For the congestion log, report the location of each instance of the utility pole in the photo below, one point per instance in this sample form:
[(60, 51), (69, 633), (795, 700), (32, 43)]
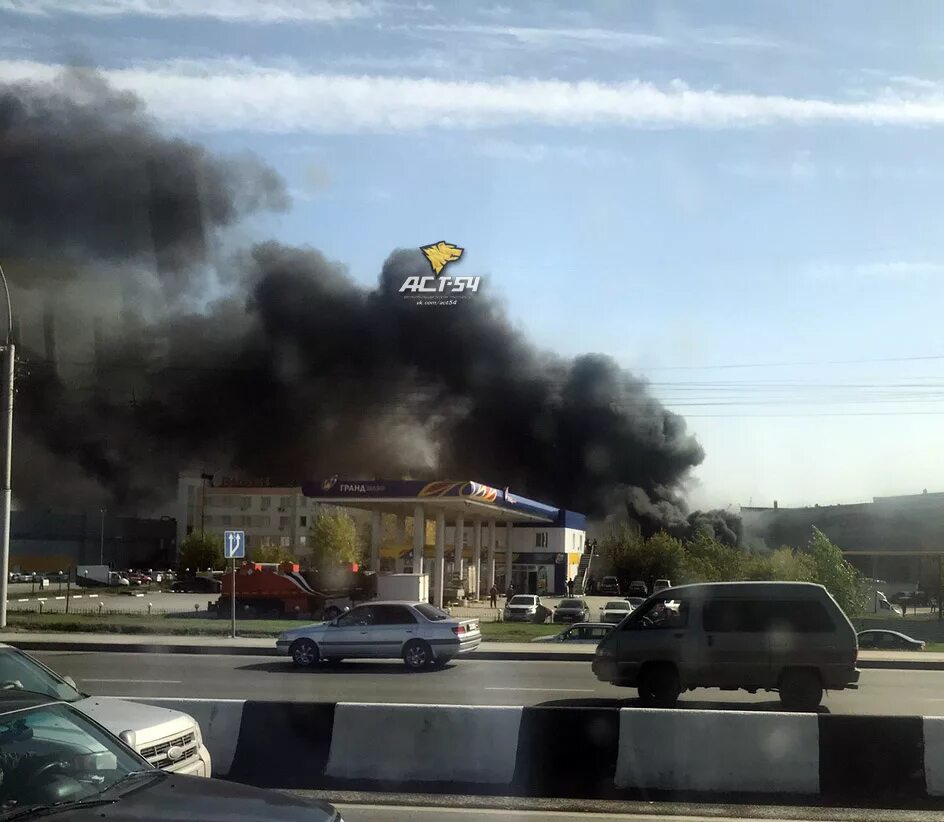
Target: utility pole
[(9, 358)]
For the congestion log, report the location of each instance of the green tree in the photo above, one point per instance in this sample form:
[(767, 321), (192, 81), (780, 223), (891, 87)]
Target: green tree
[(840, 578), (200, 551), (271, 553), (334, 539), (708, 560)]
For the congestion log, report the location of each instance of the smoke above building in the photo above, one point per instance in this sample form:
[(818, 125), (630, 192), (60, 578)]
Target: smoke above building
[(151, 340)]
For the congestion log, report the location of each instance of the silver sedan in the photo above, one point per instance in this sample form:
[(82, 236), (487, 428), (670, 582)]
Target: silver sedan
[(420, 634)]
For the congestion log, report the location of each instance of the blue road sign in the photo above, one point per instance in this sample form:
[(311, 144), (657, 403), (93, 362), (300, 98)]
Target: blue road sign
[(234, 544)]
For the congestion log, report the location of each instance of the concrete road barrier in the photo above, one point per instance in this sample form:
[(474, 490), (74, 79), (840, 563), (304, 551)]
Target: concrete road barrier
[(726, 751), (572, 752), (424, 743)]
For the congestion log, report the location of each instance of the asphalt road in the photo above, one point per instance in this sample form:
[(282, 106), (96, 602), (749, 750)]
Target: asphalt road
[(469, 682)]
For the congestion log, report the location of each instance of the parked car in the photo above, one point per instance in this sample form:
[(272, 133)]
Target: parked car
[(582, 633), (635, 601), (59, 762), (882, 640), (420, 634), (525, 608), (609, 586), (637, 588), (572, 610), (661, 585), (789, 637), (151, 731), (196, 585), (614, 610)]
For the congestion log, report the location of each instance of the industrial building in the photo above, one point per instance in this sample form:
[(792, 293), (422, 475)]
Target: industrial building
[(46, 541), (871, 532)]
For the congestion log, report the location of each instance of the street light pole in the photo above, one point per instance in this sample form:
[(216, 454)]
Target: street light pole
[(9, 357), (101, 539)]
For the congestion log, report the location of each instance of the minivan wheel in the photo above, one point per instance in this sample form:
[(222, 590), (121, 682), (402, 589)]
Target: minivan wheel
[(659, 686), (417, 655), (800, 690), (304, 653)]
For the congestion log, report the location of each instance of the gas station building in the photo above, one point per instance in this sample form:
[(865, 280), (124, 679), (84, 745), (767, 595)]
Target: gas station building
[(485, 535)]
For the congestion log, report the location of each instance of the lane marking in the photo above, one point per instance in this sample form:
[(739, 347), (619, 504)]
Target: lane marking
[(142, 681), (140, 698), (558, 690), (530, 813)]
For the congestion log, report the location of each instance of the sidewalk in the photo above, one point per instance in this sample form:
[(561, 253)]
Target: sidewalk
[(530, 651)]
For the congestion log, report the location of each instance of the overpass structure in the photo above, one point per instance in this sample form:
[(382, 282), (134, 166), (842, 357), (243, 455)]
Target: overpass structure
[(517, 541)]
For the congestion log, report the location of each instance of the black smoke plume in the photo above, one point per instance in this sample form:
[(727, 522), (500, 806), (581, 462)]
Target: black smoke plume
[(289, 370)]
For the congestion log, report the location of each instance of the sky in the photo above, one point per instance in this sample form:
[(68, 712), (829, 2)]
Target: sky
[(739, 202)]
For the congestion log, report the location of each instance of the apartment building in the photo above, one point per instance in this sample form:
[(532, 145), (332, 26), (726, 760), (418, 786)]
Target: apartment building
[(270, 515)]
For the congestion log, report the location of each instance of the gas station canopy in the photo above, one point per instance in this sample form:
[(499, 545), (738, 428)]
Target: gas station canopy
[(459, 498)]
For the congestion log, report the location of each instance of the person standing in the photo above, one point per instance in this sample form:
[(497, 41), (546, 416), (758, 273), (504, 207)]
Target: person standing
[(570, 587), (493, 596)]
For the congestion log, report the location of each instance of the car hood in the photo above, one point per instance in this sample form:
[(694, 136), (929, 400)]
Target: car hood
[(148, 722), (551, 638), (196, 799), (305, 630)]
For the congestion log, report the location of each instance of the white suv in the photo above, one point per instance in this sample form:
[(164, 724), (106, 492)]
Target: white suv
[(168, 739)]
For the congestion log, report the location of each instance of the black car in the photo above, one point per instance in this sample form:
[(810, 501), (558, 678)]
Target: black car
[(572, 610), (609, 586), (637, 588), (48, 771), (881, 640)]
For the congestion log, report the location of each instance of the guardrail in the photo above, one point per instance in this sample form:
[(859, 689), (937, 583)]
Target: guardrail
[(572, 752)]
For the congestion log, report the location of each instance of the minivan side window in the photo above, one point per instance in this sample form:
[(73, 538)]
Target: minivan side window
[(658, 615), (765, 616)]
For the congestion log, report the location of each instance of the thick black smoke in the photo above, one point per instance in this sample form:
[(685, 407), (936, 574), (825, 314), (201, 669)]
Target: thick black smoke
[(86, 176), (292, 371)]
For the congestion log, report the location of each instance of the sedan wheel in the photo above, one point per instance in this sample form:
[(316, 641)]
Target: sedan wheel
[(304, 653), (417, 655)]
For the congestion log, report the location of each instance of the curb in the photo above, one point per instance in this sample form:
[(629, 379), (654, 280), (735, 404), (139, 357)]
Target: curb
[(144, 647), (515, 751)]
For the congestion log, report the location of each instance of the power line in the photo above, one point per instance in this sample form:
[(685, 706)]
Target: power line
[(789, 364)]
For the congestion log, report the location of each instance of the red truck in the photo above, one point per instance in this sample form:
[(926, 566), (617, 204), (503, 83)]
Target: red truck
[(280, 590)]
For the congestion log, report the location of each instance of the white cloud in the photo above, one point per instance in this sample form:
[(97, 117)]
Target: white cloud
[(221, 96), (539, 37), (241, 11), (887, 269)]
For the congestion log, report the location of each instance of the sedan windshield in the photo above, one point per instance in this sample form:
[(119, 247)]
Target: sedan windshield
[(620, 605), (17, 670), (571, 603), (54, 754), (521, 600)]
